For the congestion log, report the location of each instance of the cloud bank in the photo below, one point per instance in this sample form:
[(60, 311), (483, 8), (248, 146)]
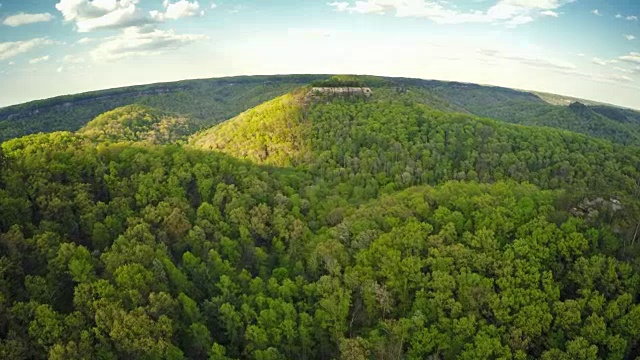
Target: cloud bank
[(39, 60), (177, 10), (508, 12), (117, 14), (26, 19), (138, 41), (11, 49)]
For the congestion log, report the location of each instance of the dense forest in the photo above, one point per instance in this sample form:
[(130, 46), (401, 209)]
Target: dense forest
[(210, 101), (139, 123), (396, 226), (519, 107)]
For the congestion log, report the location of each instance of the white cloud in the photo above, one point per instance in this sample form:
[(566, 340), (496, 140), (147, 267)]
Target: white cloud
[(615, 79), (581, 54), (549, 13), (213, 6), (602, 62), (531, 61), (72, 62), (141, 42), (367, 7), (11, 49), (118, 14), (102, 14), (39, 60), (621, 78), (339, 6), (508, 12), (629, 17), (634, 70), (633, 57), (629, 37), (177, 10), (25, 19), (596, 12), (519, 20), (125, 17), (86, 9), (85, 40), (74, 59)]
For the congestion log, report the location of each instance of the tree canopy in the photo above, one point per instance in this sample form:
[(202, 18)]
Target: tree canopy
[(139, 123), (332, 228)]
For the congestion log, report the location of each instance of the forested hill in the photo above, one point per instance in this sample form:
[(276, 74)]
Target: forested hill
[(520, 107), (139, 123), (369, 146), (209, 100), (400, 143), (392, 226)]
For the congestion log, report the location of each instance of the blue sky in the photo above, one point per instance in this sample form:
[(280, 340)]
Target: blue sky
[(582, 48)]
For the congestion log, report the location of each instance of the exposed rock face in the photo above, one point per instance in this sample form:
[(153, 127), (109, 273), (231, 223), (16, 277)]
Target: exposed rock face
[(591, 208), (340, 91)]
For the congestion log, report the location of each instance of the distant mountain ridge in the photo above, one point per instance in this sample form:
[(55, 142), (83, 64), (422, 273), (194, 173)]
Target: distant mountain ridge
[(534, 109), (211, 101), (555, 99)]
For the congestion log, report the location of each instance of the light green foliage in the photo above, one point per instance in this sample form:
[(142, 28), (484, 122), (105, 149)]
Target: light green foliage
[(208, 101), (138, 123), (272, 133), (401, 232)]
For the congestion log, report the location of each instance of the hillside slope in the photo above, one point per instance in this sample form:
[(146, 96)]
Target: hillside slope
[(626, 116), (272, 133), (576, 117), (209, 101), (400, 143), (138, 123), (526, 108), (472, 96)]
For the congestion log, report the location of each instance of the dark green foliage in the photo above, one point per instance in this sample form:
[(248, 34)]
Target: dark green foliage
[(400, 143), (211, 101), (576, 117), (349, 228), (520, 107), (351, 81), (471, 96), (208, 101), (626, 116)]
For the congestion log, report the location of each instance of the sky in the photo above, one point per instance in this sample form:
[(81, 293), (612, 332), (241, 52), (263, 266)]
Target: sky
[(582, 48)]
